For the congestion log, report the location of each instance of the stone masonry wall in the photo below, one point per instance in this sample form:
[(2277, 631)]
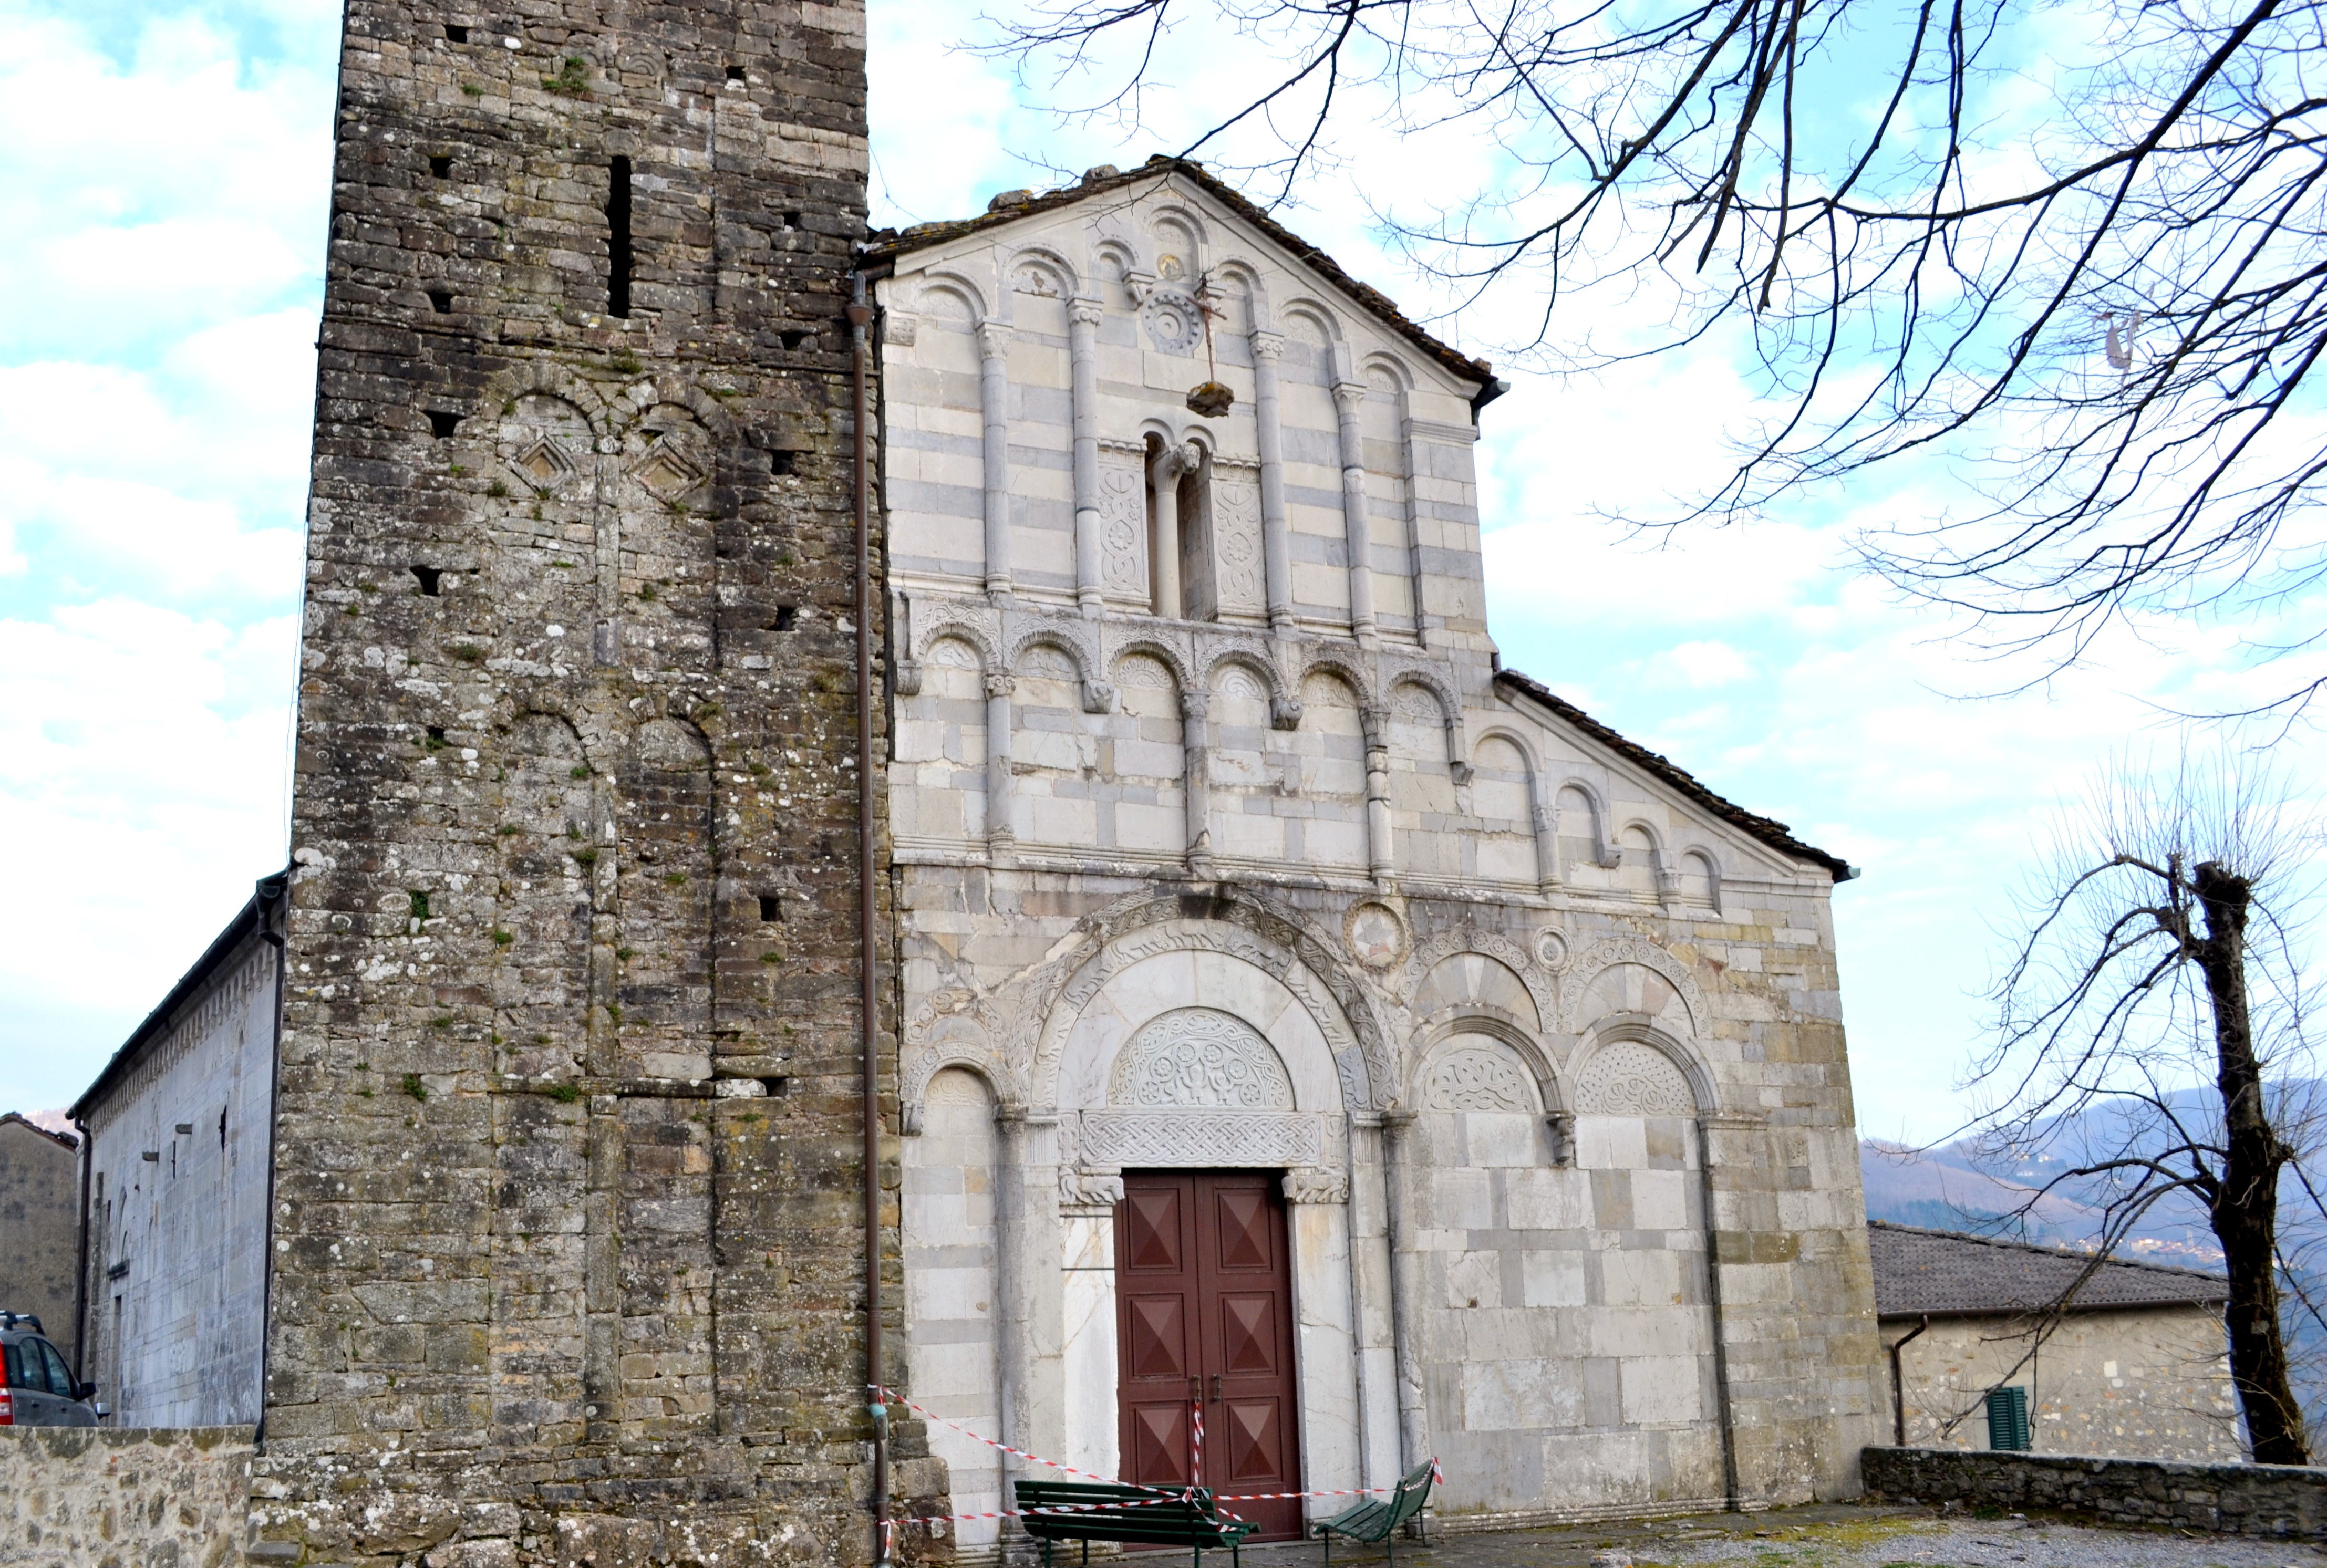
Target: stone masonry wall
[(82, 1497), (39, 1214), (2237, 1499), (566, 1245)]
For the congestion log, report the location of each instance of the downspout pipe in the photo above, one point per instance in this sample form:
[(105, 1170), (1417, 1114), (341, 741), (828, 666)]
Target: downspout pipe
[(1899, 1383), (1731, 1499), (81, 1361), (860, 316), (273, 900)]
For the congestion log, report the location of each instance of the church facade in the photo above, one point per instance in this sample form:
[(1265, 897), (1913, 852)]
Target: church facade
[(1311, 1029)]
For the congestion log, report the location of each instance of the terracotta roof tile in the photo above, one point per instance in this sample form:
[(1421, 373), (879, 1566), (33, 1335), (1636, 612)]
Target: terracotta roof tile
[(1947, 1273)]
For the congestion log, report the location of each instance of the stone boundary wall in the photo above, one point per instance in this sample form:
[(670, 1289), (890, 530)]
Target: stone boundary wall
[(81, 1496), (2234, 1499)]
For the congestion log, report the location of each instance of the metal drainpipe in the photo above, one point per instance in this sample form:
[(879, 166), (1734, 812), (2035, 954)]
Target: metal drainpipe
[(860, 314), (280, 942), (1730, 1485), (1899, 1383), (80, 1255)]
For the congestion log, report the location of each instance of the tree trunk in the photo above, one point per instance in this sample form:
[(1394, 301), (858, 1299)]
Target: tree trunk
[(2245, 1209)]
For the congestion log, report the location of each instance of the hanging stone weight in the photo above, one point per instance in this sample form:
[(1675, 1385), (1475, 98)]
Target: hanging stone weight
[(1210, 400)]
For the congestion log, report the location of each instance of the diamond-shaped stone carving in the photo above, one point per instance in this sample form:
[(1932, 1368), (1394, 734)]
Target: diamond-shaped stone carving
[(667, 474), (545, 464)]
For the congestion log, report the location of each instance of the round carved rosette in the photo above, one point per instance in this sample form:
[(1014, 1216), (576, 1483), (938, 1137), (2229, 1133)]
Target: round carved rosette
[(1375, 935)]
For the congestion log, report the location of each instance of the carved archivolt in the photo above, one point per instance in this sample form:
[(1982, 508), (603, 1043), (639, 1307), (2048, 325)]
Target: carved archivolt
[(1200, 1058), (1045, 1004), (1596, 958), (1471, 939), (1630, 1077)]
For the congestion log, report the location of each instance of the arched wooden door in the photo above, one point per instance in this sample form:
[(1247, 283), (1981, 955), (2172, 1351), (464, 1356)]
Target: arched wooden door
[(1204, 1305)]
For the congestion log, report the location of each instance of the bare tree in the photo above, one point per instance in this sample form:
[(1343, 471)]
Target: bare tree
[(2077, 247), (2158, 956)]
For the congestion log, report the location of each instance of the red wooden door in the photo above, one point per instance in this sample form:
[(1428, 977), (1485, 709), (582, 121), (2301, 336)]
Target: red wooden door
[(1204, 1310)]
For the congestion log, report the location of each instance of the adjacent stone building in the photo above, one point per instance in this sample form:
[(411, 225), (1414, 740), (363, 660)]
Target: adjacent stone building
[(1307, 1019), (180, 1129), (2129, 1359), (40, 1231)]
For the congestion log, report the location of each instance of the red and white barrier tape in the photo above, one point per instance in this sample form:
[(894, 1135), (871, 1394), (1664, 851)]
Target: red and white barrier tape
[(1197, 1432)]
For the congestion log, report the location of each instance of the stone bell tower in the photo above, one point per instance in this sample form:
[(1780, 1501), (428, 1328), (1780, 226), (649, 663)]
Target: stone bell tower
[(564, 1256)]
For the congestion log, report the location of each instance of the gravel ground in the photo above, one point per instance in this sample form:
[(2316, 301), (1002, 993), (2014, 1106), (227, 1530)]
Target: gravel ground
[(1826, 1536), (1927, 1543)]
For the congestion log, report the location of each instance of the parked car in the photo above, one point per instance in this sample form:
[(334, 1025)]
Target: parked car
[(41, 1390)]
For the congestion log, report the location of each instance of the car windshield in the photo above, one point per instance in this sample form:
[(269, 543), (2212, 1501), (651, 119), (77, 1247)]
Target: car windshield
[(60, 1377)]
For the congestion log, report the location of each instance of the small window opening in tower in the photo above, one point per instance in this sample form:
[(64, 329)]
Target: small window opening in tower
[(441, 298), (456, 33), (431, 581), (442, 424), (781, 461), (787, 617), (618, 239), (1179, 507), (772, 907), (735, 73), (440, 165), (791, 218), (792, 340)]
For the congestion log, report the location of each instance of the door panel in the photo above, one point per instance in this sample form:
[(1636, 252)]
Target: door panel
[(1205, 1287)]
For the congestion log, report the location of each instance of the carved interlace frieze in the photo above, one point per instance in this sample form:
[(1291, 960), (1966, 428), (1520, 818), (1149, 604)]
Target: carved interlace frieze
[(1202, 1138), (1236, 536), (1630, 1078), (1200, 1058)]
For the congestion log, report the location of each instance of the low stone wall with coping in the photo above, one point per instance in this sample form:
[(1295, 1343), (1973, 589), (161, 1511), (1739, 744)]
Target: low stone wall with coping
[(2236, 1499), (81, 1496)]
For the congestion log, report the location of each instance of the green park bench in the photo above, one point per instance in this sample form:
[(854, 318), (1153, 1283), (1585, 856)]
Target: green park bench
[(1379, 1519), (1103, 1511)]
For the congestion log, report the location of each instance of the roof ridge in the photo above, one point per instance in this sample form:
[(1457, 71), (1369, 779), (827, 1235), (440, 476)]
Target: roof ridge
[(1013, 205), (1768, 829), (2107, 1260)]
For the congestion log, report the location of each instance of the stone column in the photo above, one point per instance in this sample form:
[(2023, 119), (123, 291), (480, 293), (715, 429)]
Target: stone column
[(1413, 451), (1087, 1200), (1405, 1289), (1380, 852), (1349, 399), (1163, 472), (1547, 836), (1369, 1288), (1000, 834), (1196, 745), (1276, 540), (993, 395), (1082, 351), (1317, 1202)]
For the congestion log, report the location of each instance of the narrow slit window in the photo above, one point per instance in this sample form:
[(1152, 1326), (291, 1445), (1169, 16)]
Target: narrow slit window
[(772, 907), (787, 617), (618, 241), (431, 581), (443, 423), (781, 462), (441, 298), (440, 165), (735, 73)]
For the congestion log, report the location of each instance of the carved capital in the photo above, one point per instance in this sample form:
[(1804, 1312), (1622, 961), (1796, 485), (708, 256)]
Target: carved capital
[(1098, 696), (1085, 311), (1195, 705), (1171, 461), (1267, 345), (1349, 397), (993, 339), (1090, 1188), (1284, 712), (909, 677), (1000, 686), (1310, 1184)]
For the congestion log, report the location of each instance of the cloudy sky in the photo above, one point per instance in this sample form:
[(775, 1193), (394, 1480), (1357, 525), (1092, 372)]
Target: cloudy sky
[(165, 170)]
